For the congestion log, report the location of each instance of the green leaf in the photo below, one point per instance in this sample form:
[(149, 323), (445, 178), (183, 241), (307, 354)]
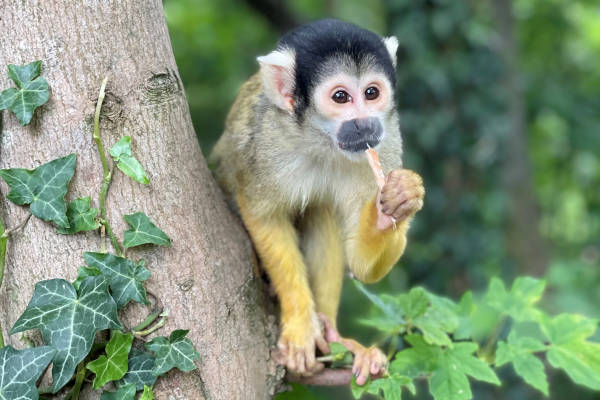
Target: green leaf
[(570, 350), (418, 360), (464, 311), (148, 394), (143, 231), (20, 369), (340, 354), (414, 303), (81, 217), (85, 272), (518, 350), (175, 351), (520, 302), (391, 387), (21, 74), (121, 153), (126, 277), (140, 369), (126, 392), (113, 365), (31, 91), (387, 304), (69, 321), (44, 188), (439, 319)]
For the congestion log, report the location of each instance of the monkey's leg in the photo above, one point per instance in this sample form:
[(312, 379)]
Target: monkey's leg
[(322, 248), (276, 242)]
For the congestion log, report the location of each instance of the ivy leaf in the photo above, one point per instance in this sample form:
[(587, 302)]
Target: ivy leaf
[(44, 188), (126, 392), (31, 92), (143, 231), (140, 369), (85, 272), (69, 321), (519, 302), (148, 394), (570, 350), (121, 153), (20, 369), (175, 351), (113, 365), (81, 217), (124, 275), (518, 350)]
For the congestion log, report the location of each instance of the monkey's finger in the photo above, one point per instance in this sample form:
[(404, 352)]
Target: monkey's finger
[(363, 374), (322, 345), (299, 364), (408, 208)]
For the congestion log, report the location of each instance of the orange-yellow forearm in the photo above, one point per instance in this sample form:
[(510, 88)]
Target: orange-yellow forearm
[(372, 252)]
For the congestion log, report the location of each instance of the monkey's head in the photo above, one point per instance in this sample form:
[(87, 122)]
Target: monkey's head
[(335, 78)]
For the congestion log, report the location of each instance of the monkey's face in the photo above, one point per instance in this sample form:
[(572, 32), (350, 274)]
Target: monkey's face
[(351, 110)]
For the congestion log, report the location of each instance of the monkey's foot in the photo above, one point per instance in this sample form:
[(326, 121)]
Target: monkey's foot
[(297, 346), (401, 197), (368, 361)]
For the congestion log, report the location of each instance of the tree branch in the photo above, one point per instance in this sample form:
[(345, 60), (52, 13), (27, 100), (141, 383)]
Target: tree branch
[(327, 377)]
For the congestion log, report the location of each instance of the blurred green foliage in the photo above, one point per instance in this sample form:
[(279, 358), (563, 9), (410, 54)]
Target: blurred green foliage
[(456, 115)]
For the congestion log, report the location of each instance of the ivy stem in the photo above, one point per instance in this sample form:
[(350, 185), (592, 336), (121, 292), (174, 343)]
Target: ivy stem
[(488, 349), (3, 240), (158, 325), (145, 323), (7, 232), (108, 170), (97, 129), (79, 377)]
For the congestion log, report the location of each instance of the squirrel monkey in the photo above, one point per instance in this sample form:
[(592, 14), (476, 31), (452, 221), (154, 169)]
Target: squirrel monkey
[(292, 159)]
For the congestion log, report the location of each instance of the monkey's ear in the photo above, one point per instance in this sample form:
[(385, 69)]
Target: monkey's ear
[(277, 70), (391, 44)]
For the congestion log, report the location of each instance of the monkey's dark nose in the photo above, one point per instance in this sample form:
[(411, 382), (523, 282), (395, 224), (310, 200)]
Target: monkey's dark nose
[(359, 133)]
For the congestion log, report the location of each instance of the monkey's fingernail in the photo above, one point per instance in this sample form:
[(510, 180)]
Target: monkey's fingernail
[(357, 373)]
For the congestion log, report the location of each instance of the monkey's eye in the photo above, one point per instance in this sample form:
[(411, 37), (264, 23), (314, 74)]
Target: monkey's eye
[(372, 93), (341, 97)]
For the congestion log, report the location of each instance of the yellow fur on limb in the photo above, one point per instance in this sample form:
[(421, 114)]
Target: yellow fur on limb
[(371, 252)]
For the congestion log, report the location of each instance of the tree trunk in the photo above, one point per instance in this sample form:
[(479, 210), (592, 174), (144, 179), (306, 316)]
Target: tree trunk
[(206, 279), (525, 243)]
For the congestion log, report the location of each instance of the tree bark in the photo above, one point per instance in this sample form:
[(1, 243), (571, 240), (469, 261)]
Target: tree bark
[(525, 243), (207, 278)]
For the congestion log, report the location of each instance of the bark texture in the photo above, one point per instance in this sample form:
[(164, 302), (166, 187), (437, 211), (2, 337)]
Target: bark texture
[(206, 279)]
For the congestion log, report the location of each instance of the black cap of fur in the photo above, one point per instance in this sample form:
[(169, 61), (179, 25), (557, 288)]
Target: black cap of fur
[(319, 41)]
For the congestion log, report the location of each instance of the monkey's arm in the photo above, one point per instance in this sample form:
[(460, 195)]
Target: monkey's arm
[(276, 243), (372, 251)]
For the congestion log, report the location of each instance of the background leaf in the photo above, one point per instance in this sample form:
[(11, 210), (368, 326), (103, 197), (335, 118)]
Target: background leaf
[(44, 188), (113, 365), (69, 321), (126, 277), (30, 93), (175, 352), (81, 217), (20, 369), (126, 392), (121, 153), (143, 231), (140, 369)]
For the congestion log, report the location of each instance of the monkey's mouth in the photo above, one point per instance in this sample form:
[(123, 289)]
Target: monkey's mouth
[(359, 145)]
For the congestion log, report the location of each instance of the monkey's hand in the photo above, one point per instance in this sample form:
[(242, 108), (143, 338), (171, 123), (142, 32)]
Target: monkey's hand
[(400, 198), (367, 360), (297, 345)]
